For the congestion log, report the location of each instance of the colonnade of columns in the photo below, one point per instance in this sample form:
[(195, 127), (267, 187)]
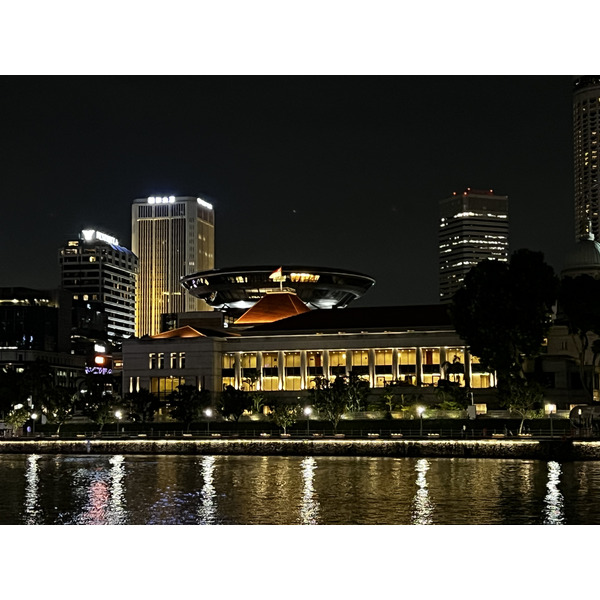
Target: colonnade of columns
[(377, 374)]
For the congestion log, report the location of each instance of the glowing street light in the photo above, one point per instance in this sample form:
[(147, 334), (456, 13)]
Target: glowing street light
[(34, 417), (420, 411), (307, 411), (118, 416), (209, 413)]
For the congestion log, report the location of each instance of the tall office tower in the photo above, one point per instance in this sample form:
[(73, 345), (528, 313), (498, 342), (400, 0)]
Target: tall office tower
[(101, 277), (172, 236), (473, 227), (586, 130)]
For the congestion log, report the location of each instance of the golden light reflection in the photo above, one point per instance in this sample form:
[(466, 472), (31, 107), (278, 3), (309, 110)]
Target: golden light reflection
[(33, 511), (423, 506), (309, 509), (207, 513), (554, 500)]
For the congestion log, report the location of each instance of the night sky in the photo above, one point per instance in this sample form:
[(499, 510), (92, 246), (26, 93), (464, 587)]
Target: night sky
[(334, 171)]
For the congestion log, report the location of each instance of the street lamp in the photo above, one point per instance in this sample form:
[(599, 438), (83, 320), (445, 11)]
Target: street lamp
[(208, 412), (33, 419), (118, 416), (551, 409), (421, 410), (307, 412)]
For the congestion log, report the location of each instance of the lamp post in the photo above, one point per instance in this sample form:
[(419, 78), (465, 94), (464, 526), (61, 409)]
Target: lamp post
[(421, 410), (551, 409), (307, 412), (208, 412), (580, 423), (33, 420), (118, 416)]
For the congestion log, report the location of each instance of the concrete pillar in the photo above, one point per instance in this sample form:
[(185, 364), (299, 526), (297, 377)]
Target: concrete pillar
[(237, 366), (303, 373), (372, 367), (395, 374), (281, 368), (419, 366)]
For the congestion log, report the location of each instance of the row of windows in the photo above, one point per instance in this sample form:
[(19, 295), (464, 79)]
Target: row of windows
[(416, 366), (157, 360)]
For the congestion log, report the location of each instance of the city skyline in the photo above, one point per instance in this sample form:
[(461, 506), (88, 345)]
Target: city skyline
[(342, 172)]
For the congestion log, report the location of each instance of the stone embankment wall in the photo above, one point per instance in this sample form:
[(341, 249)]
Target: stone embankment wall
[(527, 449)]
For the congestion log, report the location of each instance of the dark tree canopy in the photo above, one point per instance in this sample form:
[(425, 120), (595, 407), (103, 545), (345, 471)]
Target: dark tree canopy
[(503, 311), (579, 306)]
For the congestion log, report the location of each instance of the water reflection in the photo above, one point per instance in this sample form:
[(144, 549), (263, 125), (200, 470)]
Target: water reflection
[(116, 513), (207, 514), (309, 509), (33, 512), (554, 501), (423, 506)]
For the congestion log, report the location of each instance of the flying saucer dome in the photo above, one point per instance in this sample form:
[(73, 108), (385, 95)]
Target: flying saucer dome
[(242, 287), (583, 259)]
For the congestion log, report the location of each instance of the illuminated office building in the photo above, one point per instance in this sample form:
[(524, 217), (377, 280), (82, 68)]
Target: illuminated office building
[(586, 127), (172, 237), (101, 276), (473, 227)]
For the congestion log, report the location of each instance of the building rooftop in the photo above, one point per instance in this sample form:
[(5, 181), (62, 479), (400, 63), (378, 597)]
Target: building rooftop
[(390, 318), (273, 306)]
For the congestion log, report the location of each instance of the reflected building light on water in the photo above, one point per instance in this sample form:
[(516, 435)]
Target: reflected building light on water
[(309, 509), (117, 515), (423, 506), (33, 512), (554, 501), (207, 514)]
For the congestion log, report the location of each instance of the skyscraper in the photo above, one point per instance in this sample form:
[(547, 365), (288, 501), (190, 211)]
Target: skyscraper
[(473, 227), (586, 129), (101, 277), (172, 237)]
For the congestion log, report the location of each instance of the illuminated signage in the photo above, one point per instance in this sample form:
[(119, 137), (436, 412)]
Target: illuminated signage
[(91, 234), (98, 371)]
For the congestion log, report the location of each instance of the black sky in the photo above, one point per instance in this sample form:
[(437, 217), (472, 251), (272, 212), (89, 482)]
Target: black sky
[(324, 171)]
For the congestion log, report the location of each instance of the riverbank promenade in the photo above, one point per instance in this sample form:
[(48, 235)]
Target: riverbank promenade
[(542, 448)]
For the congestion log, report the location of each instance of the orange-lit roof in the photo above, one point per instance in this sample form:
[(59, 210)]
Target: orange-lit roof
[(274, 306), (182, 332)]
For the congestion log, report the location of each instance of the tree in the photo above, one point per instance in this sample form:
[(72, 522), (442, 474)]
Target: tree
[(187, 404), (330, 399), (17, 417), (142, 405), (97, 398), (451, 395), (524, 398), (258, 401), (59, 406), (503, 311), (39, 382), (579, 303), (13, 390), (233, 403), (358, 391), (284, 415)]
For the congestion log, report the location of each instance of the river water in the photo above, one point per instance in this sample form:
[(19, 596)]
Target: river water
[(126, 489)]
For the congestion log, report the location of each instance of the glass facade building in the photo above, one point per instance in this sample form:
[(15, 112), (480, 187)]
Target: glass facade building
[(473, 227)]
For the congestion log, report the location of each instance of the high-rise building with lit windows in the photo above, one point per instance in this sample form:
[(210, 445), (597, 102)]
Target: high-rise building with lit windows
[(586, 133), (100, 275), (172, 237), (473, 227)]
